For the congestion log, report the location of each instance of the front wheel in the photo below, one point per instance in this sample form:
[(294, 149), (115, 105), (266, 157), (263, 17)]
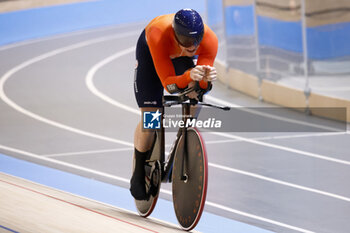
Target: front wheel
[(190, 184)]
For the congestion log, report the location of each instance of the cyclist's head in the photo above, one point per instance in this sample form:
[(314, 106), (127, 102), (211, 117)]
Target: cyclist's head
[(188, 27)]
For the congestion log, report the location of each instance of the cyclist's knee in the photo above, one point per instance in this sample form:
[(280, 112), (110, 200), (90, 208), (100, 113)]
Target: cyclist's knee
[(143, 139), (149, 109)]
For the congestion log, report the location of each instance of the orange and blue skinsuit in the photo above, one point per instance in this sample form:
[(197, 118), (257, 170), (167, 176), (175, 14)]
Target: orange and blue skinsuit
[(163, 48)]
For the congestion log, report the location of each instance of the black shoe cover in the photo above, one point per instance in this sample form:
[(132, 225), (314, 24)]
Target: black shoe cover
[(137, 182)]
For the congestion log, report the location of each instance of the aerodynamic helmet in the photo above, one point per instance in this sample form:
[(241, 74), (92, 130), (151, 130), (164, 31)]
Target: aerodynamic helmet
[(188, 27)]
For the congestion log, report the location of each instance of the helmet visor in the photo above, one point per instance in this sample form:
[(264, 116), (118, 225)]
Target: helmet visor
[(186, 41)]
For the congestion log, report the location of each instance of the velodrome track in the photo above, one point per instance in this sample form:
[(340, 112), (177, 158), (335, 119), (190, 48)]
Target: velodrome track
[(67, 102)]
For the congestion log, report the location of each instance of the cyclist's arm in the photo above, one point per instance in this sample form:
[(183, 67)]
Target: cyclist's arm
[(162, 62), (207, 51)]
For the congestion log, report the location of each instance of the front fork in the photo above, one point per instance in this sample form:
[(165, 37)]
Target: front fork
[(186, 114)]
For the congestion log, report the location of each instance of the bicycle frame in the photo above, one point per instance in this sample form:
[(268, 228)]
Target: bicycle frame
[(167, 166)]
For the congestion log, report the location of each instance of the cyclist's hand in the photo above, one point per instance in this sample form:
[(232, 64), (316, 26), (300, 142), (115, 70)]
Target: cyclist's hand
[(210, 74), (197, 73), (192, 94)]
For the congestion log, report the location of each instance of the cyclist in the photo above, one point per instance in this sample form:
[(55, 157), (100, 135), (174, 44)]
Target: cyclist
[(165, 54)]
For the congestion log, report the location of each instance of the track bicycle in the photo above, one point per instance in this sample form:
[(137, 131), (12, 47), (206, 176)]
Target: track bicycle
[(186, 165)]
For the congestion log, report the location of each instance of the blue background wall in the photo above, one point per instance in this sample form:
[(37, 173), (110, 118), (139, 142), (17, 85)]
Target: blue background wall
[(215, 15), (41, 22), (324, 42), (239, 20)]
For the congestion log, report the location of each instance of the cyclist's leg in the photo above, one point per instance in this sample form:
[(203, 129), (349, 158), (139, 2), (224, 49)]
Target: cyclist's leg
[(143, 140), (148, 92)]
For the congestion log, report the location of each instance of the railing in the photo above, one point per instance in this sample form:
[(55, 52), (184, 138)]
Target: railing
[(285, 41)]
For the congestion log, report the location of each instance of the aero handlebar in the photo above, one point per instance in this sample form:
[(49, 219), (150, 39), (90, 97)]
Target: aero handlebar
[(181, 98)]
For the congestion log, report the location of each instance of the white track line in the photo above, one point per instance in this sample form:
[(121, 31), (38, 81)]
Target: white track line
[(228, 209), (209, 142), (89, 152), (278, 137), (96, 151), (117, 178), (34, 60), (284, 148), (229, 169), (90, 85), (280, 182)]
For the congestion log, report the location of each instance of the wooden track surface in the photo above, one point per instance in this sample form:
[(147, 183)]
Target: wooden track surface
[(30, 207)]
